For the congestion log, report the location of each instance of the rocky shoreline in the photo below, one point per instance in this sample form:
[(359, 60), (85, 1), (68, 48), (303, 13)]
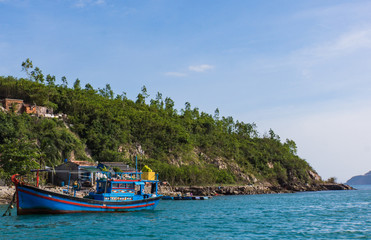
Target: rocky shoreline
[(6, 193), (248, 189)]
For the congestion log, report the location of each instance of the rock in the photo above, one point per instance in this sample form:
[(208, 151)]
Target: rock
[(6, 194), (314, 175), (337, 187), (262, 188)]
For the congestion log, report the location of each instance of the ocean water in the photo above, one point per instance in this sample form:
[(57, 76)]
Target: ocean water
[(308, 215)]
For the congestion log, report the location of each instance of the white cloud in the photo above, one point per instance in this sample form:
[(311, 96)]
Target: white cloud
[(85, 3), (200, 68), (345, 44), (353, 41), (336, 67), (99, 2), (81, 3), (195, 68), (175, 74)]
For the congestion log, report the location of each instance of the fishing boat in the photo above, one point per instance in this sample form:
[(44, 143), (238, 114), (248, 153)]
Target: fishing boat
[(122, 192)]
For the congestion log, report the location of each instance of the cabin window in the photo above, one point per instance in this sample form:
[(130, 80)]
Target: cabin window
[(127, 185), (123, 185), (102, 187)]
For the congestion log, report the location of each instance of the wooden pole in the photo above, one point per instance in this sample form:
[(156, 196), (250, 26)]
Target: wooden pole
[(37, 178)]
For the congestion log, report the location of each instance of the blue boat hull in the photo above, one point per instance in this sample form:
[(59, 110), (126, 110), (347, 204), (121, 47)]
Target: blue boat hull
[(32, 200)]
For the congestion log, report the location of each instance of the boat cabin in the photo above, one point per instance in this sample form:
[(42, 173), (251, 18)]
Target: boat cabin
[(124, 187)]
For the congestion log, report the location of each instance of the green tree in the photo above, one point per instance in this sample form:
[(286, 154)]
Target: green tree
[(88, 87), (18, 156), (77, 85), (107, 92), (26, 66), (37, 75), (64, 82), (50, 80)]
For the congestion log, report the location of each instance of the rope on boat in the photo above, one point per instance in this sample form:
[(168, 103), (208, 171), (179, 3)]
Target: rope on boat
[(10, 207)]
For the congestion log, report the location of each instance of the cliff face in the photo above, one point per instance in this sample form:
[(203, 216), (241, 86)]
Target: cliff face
[(360, 179)]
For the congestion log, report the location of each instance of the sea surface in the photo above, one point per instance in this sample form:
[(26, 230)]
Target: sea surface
[(308, 215)]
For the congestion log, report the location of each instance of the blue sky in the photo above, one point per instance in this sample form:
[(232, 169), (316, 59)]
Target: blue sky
[(301, 68)]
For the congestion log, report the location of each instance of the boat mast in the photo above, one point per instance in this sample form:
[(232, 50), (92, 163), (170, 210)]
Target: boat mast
[(136, 167)]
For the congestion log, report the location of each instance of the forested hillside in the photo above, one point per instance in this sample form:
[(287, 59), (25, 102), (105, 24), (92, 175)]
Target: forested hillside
[(185, 147)]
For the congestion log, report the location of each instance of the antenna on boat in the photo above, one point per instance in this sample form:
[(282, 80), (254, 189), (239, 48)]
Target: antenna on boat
[(136, 166)]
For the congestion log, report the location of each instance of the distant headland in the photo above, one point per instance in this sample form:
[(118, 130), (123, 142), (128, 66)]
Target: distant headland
[(360, 179)]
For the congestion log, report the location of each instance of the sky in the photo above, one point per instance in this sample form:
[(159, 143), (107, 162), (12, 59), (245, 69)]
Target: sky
[(301, 68)]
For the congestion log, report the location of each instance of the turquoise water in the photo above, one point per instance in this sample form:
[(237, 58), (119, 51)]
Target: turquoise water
[(310, 215)]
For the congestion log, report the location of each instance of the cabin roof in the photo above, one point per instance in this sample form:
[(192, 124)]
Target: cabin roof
[(124, 167), (90, 168), (84, 163)]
